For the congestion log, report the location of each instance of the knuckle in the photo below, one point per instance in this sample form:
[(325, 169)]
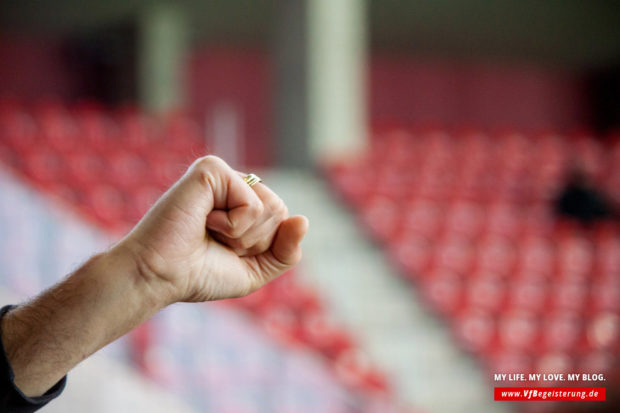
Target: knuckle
[(209, 170), (208, 163), (235, 232), (204, 169), (211, 160), (204, 163), (283, 211), (275, 205), (256, 208), (245, 243), (278, 209)]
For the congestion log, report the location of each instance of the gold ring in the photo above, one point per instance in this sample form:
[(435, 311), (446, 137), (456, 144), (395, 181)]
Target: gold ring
[(252, 179)]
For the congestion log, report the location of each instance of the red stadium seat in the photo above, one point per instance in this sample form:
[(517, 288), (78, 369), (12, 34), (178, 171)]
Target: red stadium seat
[(518, 330), (603, 331), (381, 217), (43, 166), (487, 293), (464, 219), (455, 254), (554, 363), (496, 254), (476, 232), (413, 254), (536, 257), (86, 169), (528, 295), (444, 291), (561, 331), (476, 331)]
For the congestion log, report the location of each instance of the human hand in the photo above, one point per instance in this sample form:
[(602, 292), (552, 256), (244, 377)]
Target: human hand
[(259, 236), (256, 241)]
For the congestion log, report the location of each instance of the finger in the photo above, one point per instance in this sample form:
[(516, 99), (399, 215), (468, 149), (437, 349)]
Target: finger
[(273, 204), (264, 226), (258, 238), (218, 221), (263, 191), (255, 241), (236, 210), (284, 253)]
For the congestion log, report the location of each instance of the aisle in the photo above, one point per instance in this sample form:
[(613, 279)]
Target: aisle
[(364, 292)]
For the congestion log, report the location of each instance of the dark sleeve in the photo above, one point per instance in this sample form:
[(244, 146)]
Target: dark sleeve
[(12, 400)]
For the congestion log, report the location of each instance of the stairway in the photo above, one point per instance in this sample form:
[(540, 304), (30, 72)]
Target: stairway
[(366, 295)]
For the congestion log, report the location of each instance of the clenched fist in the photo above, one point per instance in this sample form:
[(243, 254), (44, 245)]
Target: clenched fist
[(212, 236)]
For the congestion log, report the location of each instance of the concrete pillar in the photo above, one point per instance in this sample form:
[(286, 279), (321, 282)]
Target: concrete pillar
[(337, 64), (162, 45), (291, 86), (320, 73)]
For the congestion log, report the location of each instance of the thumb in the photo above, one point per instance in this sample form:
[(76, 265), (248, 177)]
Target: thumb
[(285, 251)]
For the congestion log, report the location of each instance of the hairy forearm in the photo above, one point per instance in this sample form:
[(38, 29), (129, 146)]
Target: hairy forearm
[(104, 299), (167, 257)]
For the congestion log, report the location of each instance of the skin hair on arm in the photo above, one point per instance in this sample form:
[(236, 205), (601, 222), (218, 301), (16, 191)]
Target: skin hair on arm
[(175, 253), (47, 336)]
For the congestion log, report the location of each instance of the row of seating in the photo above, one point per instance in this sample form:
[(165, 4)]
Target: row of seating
[(409, 165), (468, 217)]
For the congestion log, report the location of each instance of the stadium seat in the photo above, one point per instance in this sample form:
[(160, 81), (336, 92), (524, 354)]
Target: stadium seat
[(474, 230)]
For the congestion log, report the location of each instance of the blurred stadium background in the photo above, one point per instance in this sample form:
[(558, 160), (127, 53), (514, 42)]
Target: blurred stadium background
[(427, 141)]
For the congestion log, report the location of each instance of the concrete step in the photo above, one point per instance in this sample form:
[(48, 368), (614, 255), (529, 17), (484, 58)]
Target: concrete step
[(366, 294)]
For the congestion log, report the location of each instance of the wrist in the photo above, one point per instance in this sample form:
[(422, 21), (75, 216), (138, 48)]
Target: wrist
[(130, 263)]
